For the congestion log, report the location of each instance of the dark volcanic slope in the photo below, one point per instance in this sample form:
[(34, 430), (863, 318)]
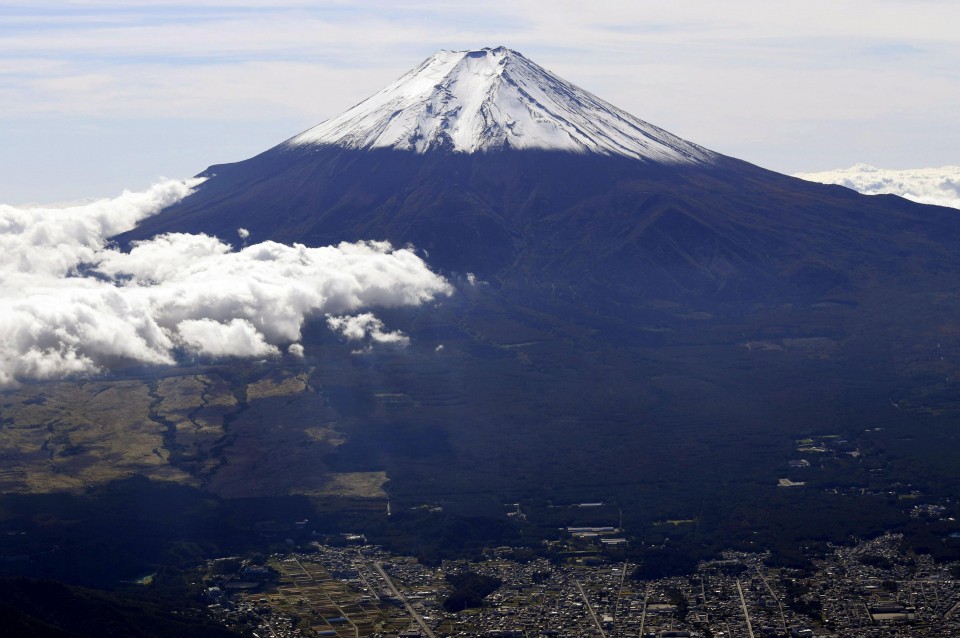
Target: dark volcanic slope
[(658, 335), (729, 232)]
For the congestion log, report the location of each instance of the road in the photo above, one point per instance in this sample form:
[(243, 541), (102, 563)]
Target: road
[(410, 610), (616, 605), (783, 617), (746, 615), (593, 615), (643, 616)]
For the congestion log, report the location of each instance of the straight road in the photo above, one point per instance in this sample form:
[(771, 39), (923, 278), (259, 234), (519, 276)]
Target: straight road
[(410, 610), (593, 615), (746, 616), (776, 599)]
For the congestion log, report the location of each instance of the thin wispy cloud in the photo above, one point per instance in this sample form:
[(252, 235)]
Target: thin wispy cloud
[(73, 304)]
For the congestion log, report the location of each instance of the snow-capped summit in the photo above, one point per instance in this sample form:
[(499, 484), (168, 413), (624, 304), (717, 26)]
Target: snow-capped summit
[(495, 99)]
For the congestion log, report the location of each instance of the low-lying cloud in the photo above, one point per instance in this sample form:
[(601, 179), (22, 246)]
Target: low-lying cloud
[(366, 327), (940, 186), (73, 304)]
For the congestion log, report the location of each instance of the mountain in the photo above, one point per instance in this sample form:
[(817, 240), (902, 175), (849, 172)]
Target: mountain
[(637, 319), (495, 166)]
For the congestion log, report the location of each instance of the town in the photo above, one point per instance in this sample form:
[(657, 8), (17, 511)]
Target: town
[(870, 589)]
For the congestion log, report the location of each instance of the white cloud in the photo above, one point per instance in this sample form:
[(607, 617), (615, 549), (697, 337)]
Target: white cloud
[(235, 338), (296, 349), (70, 303), (366, 327), (162, 258), (940, 186), (52, 241)]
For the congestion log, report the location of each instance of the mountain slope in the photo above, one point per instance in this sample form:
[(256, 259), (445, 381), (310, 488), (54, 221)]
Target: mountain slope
[(666, 231)]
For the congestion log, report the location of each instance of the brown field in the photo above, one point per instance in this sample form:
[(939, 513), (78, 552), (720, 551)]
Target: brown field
[(192, 429), (69, 436)]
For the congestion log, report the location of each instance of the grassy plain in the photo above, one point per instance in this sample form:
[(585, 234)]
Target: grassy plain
[(71, 436), (264, 435)]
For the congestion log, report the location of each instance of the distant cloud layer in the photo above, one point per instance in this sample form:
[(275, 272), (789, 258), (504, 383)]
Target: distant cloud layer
[(940, 186), (72, 304)]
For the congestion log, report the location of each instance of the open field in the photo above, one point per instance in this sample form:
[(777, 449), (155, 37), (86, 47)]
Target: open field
[(70, 436), (187, 428)]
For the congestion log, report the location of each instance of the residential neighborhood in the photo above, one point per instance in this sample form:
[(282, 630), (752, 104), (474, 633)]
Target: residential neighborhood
[(869, 589)]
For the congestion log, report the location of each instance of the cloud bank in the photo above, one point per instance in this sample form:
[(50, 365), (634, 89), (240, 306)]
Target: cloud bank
[(73, 304), (940, 186)]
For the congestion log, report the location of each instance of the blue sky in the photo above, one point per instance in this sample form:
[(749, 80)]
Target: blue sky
[(101, 96)]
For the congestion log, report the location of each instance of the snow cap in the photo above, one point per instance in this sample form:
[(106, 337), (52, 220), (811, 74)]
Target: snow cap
[(495, 99)]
